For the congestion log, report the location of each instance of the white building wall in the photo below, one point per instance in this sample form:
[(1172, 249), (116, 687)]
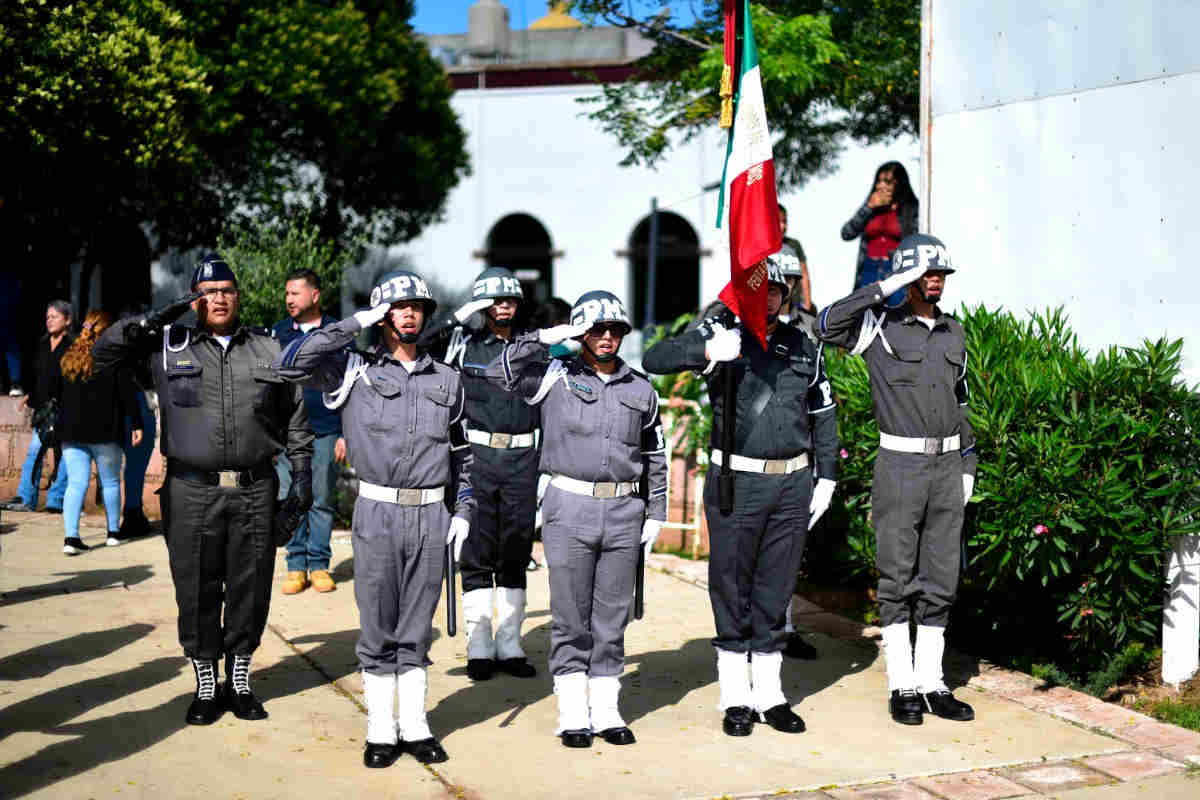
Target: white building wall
[(1061, 170)]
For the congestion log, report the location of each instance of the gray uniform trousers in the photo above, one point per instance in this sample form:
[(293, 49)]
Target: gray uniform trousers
[(399, 556), (591, 547), (917, 511), (754, 554)]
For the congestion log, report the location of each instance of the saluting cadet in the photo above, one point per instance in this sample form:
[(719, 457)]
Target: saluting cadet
[(602, 438), (403, 419), (225, 415), (925, 470), (785, 420), (503, 431)]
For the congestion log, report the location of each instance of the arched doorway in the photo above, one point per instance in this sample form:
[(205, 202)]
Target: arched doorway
[(520, 243), (677, 282)]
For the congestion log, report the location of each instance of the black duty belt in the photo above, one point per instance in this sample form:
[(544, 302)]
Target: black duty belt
[(231, 478)]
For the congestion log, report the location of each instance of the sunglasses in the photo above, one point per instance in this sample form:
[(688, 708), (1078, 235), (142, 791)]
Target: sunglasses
[(617, 329)]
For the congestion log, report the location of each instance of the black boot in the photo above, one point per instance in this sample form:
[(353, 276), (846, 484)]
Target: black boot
[(427, 751), (945, 705), (739, 721), (517, 667), (133, 526), (206, 706), (238, 697), (798, 648), (378, 756), (480, 669), (905, 705), (576, 738), (618, 736), (783, 719)]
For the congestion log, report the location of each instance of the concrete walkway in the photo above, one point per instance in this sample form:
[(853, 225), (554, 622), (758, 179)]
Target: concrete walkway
[(93, 690)]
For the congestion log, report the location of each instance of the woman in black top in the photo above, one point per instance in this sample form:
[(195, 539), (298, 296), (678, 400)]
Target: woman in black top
[(91, 425)]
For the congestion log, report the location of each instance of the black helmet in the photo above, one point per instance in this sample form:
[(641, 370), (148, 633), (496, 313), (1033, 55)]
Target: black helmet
[(599, 306), (775, 276), (922, 250), (787, 261), (496, 282), (400, 284)]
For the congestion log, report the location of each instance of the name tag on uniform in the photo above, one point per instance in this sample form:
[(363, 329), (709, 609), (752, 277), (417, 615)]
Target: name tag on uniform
[(581, 387), (782, 350)]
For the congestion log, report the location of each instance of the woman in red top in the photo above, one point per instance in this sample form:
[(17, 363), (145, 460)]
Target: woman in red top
[(888, 215)]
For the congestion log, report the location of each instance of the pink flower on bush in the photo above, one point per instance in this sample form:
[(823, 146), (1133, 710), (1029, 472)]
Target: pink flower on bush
[(1039, 529), (845, 453), (1085, 612)]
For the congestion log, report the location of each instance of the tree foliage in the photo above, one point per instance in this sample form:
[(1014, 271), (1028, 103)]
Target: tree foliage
[(833, 71)]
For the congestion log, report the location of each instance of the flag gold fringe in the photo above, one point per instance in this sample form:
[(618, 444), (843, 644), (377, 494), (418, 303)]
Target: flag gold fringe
[(726, 97)]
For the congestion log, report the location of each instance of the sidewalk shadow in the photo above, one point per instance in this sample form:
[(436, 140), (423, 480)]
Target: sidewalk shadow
[(37, 662), (79, 581), (94, 742)]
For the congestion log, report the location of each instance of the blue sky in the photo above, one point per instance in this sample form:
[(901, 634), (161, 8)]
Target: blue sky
[(450, 16)]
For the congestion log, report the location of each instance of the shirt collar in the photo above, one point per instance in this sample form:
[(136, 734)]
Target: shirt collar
[(940, 319)]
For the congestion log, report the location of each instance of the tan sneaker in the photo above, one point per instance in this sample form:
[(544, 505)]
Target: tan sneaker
[(295, 582), (322, 581)]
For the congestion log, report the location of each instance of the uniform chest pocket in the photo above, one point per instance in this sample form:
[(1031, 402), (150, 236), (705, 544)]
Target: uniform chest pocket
[(267, 388), (904, 368), (183, 385), (633, 410), (580, 408), (435, 413), (797, 377)]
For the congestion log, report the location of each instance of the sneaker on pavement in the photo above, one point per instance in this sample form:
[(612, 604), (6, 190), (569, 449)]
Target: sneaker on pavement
[(73, 547), (16, 391), (18, 505)]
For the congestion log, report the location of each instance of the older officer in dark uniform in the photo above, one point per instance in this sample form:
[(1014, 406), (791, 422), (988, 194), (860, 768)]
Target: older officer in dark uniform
[(403, 418), (602, 438), (225, 415), (785, 421), (503, 431), (925, 471)]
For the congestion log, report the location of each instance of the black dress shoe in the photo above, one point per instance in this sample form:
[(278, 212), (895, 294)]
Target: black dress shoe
[(244, 705), (578, 738), (618, 736), (905, 705), (203, 712), (783, 719), (427, 751), (945, 705), (798, 648), (378, 756), (480, 669), (517, 667), (739, 721)]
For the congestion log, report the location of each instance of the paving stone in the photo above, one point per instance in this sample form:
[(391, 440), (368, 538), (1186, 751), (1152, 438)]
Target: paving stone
[(1131, 766), (1158, 735), (975, 785), (882, 791), (1186, 753), (1058, 777)]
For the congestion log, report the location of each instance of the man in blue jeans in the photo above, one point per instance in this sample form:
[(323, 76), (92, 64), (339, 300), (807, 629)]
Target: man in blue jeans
[(308, 551)]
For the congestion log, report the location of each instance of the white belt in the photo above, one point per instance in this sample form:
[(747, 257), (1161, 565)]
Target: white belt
[(401, 497), (587, 488), (917, 444), (502, 441), (779, 466)]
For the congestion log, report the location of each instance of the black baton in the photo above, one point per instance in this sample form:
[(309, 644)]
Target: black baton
[(639, 585), (728, 420), (451, 609)]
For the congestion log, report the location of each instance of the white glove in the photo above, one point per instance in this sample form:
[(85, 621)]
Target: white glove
[(725, 344), (369, 316), (650, 531), (560, 333), (459, 528), (822, 496), (543, 482), (893, 283), (464, 313), (968, 487)]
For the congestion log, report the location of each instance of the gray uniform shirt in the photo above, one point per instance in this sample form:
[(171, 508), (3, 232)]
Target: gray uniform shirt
[(918, 375), (592, 430), (222, 408), (402, 430)]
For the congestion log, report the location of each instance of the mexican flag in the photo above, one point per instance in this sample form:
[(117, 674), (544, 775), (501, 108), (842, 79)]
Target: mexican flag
[(748, 206)]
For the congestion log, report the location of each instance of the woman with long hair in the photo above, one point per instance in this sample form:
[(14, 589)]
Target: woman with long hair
[(887, 216), (91, 424)]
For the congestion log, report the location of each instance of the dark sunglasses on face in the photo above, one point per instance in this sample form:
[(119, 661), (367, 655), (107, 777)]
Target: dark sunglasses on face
[(601, 328)]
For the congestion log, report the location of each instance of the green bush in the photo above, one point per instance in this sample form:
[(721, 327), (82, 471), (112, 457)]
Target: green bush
[(262, 256)]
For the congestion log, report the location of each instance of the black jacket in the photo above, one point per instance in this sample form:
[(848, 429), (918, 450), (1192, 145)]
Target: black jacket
[(47, 371), (94, 411)]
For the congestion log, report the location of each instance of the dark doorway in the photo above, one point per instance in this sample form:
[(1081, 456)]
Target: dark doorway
[(520, 243), (678, 271)]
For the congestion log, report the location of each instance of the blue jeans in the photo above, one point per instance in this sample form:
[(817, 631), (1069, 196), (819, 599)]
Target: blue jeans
[(876, 269), (31, 478), (77, 458), (309, 548), (137, 459)]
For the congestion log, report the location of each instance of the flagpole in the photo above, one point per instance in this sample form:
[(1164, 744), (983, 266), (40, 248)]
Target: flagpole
[(729, 389)]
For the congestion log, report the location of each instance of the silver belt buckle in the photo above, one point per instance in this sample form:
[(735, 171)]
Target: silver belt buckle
[(227, 478), (604, 490), (933, 447), (408, 497), (775, 467), (501, 441)]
